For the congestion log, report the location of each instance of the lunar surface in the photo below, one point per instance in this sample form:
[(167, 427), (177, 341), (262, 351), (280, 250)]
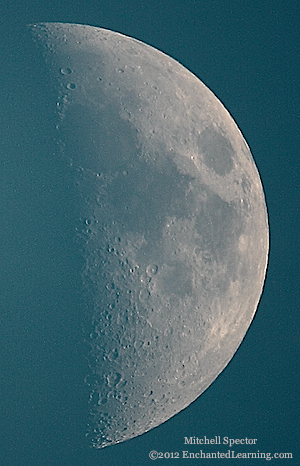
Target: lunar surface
[(172, 224)]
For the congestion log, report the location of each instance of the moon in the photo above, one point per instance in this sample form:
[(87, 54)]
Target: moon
[(172, 224)]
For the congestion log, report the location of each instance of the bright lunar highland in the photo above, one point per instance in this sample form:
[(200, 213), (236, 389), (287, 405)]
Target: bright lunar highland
[(172, 224)]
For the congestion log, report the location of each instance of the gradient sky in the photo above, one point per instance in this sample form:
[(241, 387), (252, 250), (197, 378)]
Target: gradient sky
[(247, 53)]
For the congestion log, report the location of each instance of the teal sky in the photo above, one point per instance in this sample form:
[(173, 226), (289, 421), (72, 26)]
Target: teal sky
[(247, 53)]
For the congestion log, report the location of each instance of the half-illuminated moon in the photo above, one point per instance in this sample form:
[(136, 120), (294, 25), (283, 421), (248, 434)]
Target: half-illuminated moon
[(172, 223)]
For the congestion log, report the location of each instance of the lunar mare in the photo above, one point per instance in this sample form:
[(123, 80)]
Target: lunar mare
[(172, 224)]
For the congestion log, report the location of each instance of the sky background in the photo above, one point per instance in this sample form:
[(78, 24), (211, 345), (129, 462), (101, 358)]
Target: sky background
[(247, 53)]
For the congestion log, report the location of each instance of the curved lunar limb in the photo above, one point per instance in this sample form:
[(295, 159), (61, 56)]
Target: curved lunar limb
[(172, 224)]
